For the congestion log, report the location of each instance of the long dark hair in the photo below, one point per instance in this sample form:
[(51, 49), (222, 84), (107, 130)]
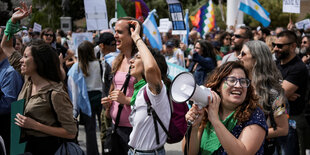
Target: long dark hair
[(46, 60), (207, 50), (86, 54)]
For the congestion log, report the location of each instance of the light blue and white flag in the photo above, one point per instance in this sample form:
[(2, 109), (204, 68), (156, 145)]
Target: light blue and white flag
[(254, 9), (185, 37), (151, 31), (78, 92)]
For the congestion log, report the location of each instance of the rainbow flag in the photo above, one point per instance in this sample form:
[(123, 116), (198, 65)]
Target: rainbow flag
[(204, 19), (142, 11)]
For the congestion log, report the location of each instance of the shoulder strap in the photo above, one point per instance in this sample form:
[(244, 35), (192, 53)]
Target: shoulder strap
[(120, 106), (125, 85), (52, 107), (151, 111)]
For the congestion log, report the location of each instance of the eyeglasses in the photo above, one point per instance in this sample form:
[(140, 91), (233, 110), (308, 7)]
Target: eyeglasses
[(232, 81), (280, 45), (242, 54), (238, 36), (48, 35)]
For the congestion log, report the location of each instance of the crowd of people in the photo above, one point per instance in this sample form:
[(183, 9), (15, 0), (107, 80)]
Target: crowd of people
[(258, 79)]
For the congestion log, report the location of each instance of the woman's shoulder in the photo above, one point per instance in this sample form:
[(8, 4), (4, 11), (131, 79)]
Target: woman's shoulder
[(258, 118)]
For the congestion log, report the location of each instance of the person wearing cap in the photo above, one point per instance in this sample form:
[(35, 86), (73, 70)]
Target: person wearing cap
[(174, 55), (106, 44)]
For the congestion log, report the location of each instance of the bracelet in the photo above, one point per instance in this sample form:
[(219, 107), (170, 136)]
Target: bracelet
[(137, 40)]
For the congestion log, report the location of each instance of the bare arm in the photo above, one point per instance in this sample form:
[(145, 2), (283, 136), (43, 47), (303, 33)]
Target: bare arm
[(250, 139), (22, 12), (196, 132), (282, 127), (151, 69)]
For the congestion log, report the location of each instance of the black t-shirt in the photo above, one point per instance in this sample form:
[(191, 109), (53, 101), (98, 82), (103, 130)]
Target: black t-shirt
[(296, 73), (61, 49)]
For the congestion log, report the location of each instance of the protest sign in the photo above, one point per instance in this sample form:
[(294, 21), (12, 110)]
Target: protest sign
[(16, 147), (96, 14), (78, 38), (174, 70), (301, 24), (164, 25), (37, 27), (291, 6)]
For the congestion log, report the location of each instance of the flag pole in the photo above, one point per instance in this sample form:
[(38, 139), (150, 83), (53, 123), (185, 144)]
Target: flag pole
[(236, 19), (116, 9)]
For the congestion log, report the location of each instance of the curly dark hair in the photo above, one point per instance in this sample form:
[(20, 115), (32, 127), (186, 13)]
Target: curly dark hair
[(214, 81)]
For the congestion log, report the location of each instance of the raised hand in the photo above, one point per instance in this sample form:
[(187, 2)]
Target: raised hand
[(21, 12), (135, 32)]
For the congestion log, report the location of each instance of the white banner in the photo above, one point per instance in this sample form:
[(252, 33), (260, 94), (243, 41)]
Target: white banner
[(164, 25), (96, 14), (291, 6), (37, 27), (302, 24), (78, 38)]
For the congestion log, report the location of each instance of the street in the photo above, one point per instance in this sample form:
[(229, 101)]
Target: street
[(171, 149)]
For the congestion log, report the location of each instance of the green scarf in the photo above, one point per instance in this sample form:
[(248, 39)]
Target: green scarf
[(209, 140), (11, 29), (137, 87)]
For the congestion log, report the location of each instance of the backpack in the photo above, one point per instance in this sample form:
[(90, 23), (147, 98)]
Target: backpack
[(177, 125)]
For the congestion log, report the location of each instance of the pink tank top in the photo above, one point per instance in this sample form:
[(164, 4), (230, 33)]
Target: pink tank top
[(118, 81)]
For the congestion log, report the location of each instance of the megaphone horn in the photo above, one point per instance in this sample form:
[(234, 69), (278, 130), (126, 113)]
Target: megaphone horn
[(184, 88)]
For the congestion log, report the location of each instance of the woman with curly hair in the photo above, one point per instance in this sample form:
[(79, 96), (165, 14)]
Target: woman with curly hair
[(232, 122)]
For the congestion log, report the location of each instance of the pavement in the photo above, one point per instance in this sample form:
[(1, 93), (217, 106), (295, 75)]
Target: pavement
[(171, 149)]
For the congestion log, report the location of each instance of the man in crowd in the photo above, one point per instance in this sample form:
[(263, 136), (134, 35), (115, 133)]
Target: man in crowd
[(294, 83), (11, 83), (241, 36)]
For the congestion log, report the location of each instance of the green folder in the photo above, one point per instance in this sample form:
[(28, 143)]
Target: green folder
[(16, 147)]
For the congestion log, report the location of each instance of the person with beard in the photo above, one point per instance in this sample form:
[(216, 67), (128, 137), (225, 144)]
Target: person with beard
[(294, 73), (241, 36), (263, 33)]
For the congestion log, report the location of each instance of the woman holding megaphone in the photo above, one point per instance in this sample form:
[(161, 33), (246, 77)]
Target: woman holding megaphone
[(233, 122)]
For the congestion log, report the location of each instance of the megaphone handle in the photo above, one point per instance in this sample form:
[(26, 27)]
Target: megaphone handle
[(189, 123)]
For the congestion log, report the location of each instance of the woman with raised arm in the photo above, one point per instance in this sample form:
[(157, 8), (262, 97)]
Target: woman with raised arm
[(232, 122), (48, 112), (150, 70)]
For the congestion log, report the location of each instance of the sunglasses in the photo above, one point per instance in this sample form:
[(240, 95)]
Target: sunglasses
[(304, 42), (238, 36), (50, 35), (280, 45), (227, 38)]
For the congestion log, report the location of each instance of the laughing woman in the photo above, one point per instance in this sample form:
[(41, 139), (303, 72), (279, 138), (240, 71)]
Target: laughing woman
[(232, 123), (43, 92), (150, 70)]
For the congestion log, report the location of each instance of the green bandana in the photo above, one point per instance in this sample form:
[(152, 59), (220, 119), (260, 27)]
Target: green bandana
[(209, 140), (11, 29), (137, 87)]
